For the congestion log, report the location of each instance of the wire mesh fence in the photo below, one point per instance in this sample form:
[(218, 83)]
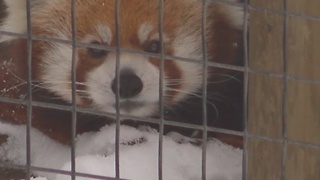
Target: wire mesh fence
[(249, 71)]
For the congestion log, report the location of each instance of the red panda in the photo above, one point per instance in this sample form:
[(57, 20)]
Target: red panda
[(95, 68)]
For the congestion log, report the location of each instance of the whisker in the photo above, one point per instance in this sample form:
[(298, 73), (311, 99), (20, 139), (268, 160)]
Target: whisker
[(12, 87), (61, 82), (185, 92), (229, 77), (8, 70), (198, 96)]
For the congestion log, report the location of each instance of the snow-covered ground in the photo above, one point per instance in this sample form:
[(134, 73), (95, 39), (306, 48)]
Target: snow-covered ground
[(95, 154)]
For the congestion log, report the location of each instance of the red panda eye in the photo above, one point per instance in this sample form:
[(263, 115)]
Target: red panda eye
[(154, 46), (96, 53)]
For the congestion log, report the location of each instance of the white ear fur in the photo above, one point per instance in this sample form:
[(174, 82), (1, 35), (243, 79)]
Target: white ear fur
[(236, 15), (16, 20), (234, 11)]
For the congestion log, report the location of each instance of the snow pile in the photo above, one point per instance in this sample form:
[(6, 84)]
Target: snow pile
[(95, 154)]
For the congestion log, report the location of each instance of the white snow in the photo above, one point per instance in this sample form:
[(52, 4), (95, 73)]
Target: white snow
[(95, 154)]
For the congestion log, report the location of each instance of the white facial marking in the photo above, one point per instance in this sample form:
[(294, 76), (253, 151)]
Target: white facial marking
[(56, 70), (156, 36), (100, 80), (104, 33), (188, 45), (144, 32)]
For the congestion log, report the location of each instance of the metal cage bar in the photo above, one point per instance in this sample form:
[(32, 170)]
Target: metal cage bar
[(204, 88), (245, 87), (29, 101), (118, 51), (284, 91), (73, 88), (161, 94)]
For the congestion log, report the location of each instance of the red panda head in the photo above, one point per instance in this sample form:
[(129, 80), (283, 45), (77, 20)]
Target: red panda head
[(95, 68)]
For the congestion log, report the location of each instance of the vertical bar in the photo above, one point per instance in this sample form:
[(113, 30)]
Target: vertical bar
[(73, 78), (118, 51), (204, 88), (284, 91), (29, 80), (161, 93), (245, 95)]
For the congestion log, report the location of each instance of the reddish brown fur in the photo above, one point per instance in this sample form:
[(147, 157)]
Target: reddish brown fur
[(57, 124), (128, 29)]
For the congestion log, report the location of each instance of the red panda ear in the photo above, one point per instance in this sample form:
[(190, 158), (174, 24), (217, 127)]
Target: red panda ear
[(233, 13), (236, 16), (16, 17)]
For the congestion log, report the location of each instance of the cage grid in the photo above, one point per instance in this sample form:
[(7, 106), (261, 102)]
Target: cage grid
[(29, 100), (284, 94), (73, 89), (246, 69)]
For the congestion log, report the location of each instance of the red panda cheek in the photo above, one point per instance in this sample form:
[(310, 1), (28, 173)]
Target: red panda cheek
[(173, 75), (85, 65)]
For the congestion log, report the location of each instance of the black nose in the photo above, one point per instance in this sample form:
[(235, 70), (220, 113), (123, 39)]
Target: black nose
[(130, 84)]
